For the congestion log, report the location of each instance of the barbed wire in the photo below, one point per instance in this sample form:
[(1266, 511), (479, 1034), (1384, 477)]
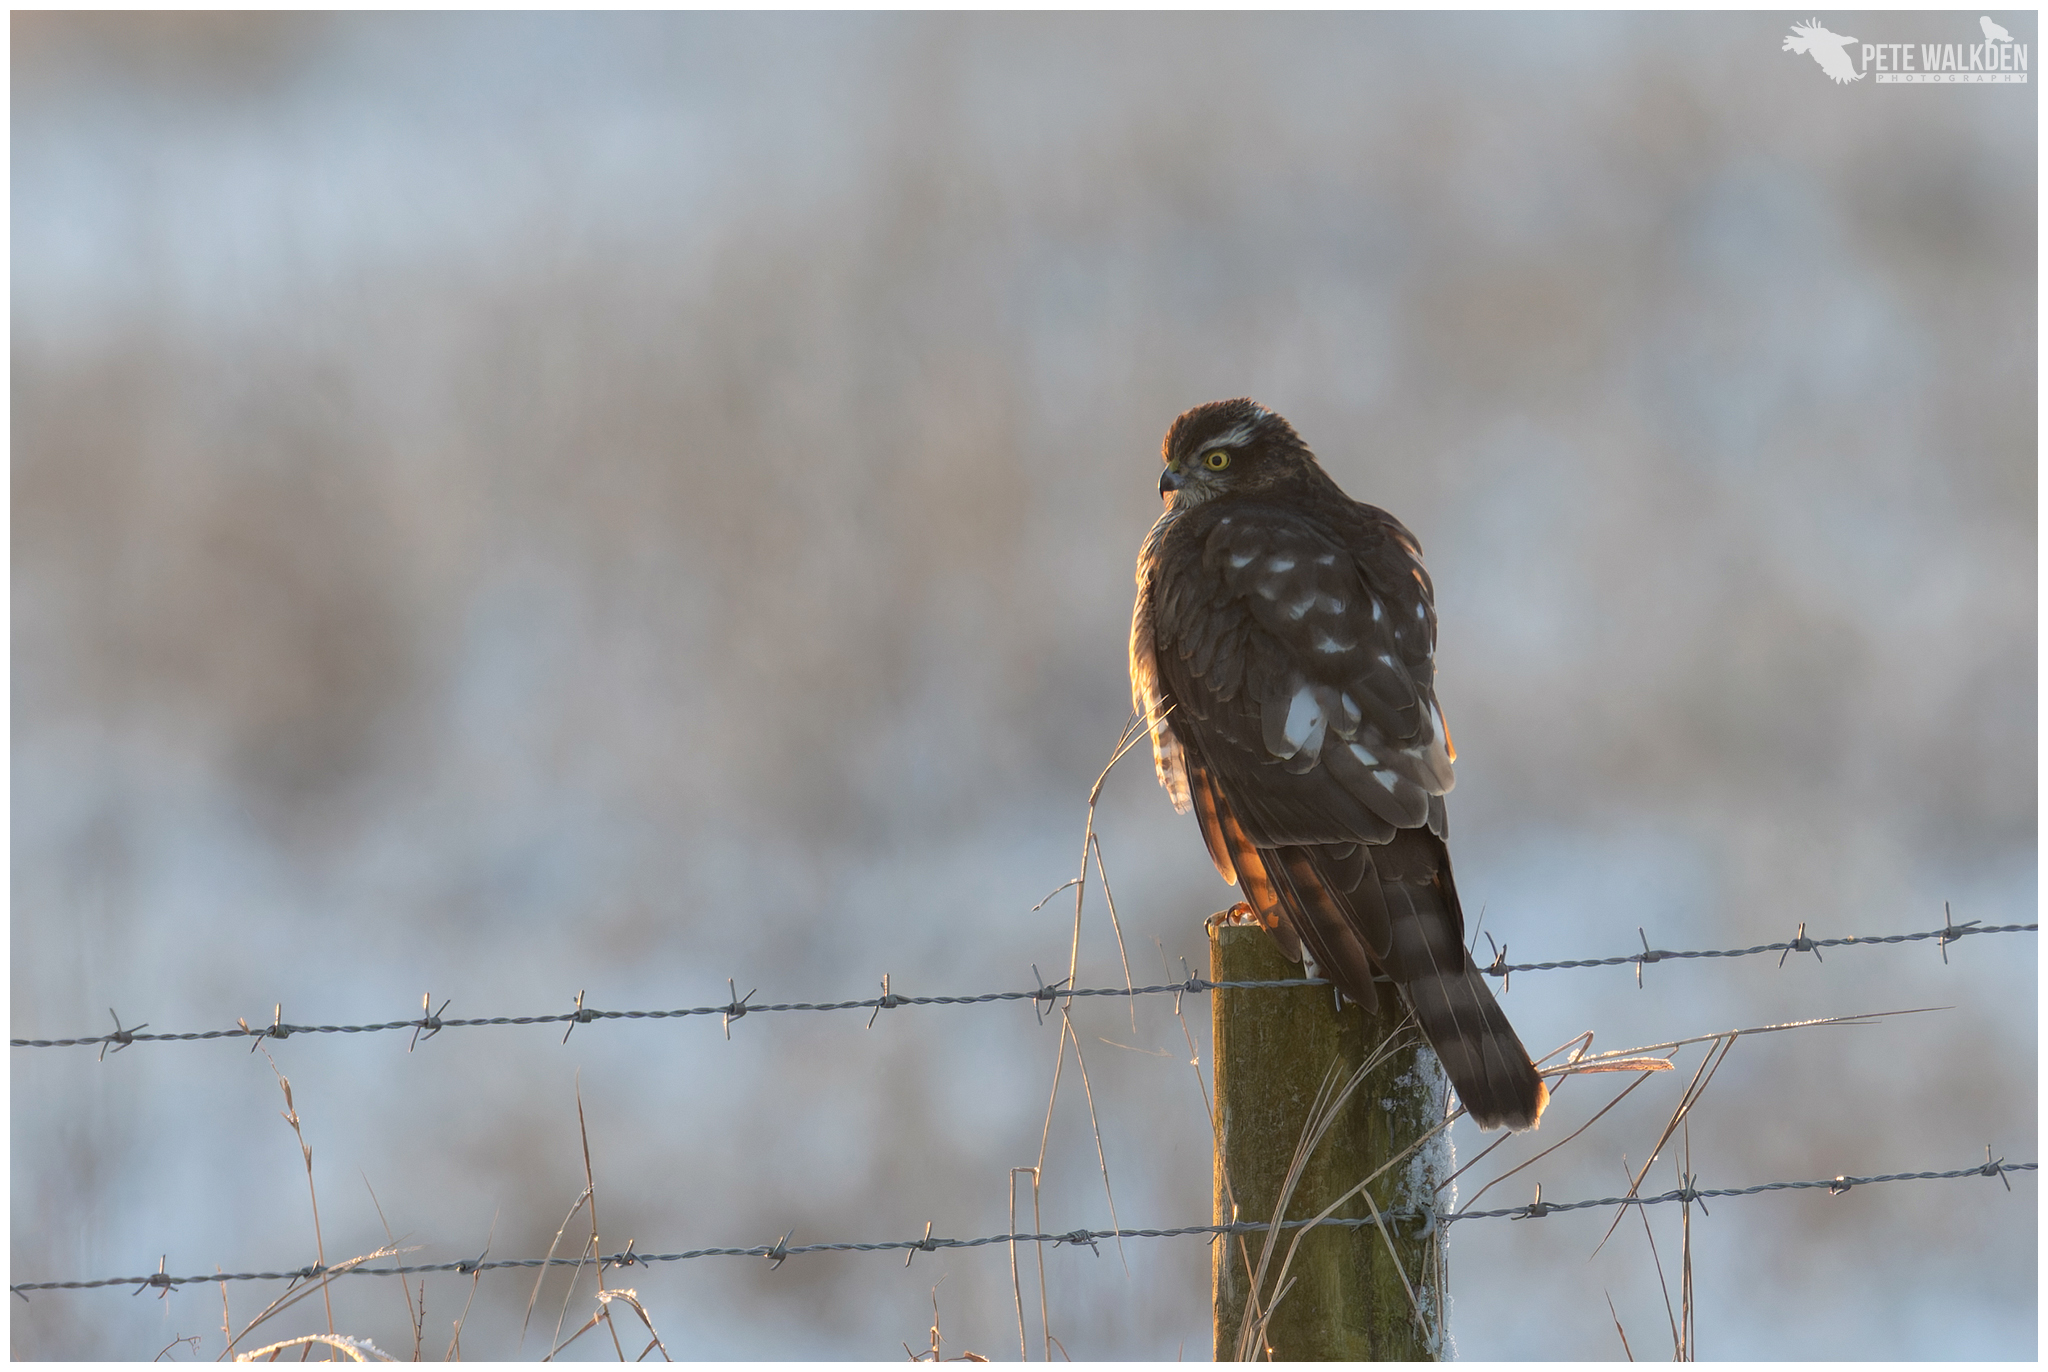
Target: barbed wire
[(782, 1250), (1798, 943), (431, 1022)]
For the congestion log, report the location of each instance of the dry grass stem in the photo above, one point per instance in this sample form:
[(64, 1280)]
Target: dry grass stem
[(533, 1297), (1657, 1262), (358, 1350), (1696, 1088), (1095, 1128), (1294, 1242), (605, 1296), (1629, 1352), (1619, 1097), (1867, 1017), (1134, 730), (1609, 1065), (1329, 1101), (1577, 1045), (1414, 1305), (1244, 1251), (1109, 900), (932, 1354), (293, 1295), (291, 1117), (417, 1318), (595, 1250), (1016, 1281), (1252, 1328), (1688, 1349), (592, 1253), (476, 1277), (1050, 894)]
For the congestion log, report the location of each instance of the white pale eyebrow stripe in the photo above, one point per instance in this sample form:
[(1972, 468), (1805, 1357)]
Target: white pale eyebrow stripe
[(1232, 437)]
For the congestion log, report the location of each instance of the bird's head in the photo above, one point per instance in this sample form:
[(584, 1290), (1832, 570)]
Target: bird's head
[(1229, 447)]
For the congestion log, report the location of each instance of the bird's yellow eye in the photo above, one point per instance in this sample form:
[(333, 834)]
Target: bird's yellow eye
[(1216, 460)]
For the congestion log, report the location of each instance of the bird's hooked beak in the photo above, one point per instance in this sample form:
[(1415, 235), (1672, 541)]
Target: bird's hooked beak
[(1171, 480)]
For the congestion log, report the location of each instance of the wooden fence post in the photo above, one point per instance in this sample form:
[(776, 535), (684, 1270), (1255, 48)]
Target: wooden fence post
[(1345, 1298)]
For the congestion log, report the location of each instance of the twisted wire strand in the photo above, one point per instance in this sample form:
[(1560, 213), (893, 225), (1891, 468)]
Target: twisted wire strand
[(779, 1251), (1834, 1186), (1194, 985), (732, 1010), (1801, 944)]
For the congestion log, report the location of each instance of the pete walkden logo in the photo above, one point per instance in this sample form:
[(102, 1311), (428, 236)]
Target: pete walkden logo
[(1998, 60)]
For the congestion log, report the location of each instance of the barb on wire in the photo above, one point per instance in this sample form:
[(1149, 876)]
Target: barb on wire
[(582, 1016), (1802, 944), (739, 1005), (779, 1253), (1951, 931), (277, 1029), (1499, 966), (120, 1038), (783, 1250), (165, 1283), (1045, 994), (887, 1002), (1996, 1169), (928, 1245), (1534, 1210), (429, 1020)]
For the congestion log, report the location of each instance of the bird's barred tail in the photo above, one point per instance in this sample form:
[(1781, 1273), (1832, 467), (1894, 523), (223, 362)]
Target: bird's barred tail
[(1349, 906), (1480, 1051)]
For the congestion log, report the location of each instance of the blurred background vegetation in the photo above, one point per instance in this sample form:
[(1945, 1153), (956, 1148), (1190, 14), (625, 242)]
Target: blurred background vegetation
[(512, 505)]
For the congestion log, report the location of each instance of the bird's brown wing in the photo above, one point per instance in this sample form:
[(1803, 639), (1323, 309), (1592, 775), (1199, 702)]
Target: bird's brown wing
[(1148, 692), (1305, 667), (1294, 655)]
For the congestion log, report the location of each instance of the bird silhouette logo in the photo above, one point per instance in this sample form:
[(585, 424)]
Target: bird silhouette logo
[(1993, 33), (1825, 48)]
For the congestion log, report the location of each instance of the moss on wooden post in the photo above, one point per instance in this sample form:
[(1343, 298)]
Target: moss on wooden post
[(1345, 1298)]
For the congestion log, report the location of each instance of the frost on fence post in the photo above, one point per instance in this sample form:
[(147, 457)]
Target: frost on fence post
[(1342, 1294)]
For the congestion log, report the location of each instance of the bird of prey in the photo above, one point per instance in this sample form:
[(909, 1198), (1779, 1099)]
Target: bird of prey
[(1283, 652), (1993, 33), (1825, 48)]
